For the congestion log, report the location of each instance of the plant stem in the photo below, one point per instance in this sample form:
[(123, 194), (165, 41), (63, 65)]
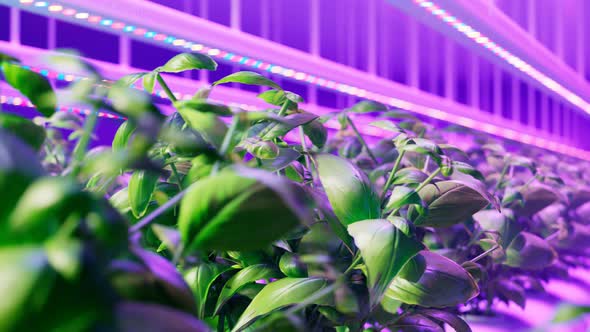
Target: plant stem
[(355, 261), (306, 156), (484, 254), (501, 178), (428, 179), (161, 209), (394, 170), (361, 139), (82, 145), (166, 88), (226, 142), (175, 172)]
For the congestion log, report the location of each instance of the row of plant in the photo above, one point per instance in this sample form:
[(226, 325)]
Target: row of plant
[(216, 219)]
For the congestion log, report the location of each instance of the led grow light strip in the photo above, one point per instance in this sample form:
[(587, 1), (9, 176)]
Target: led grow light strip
[(21, 102), (487, 42)]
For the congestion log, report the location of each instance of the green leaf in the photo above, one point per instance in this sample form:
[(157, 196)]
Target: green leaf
[(122, 136), (273, 97), (65, 256), (149, 81), (291, 265), (289, 123), (169, 236), (200, 279), (285, 158), (32, 85), (349, 191), (350, 148), (530, 252), (367, 106), (188, 61), (509, 290), (385, 250), (138, 316), (282, 293), (567, 312), (410, 176), (536, 198), (7, 58), (502, 223), (449, 203), (415, 323), (248, 77), (451, 319), (386, 125), (208, 125), (317, 133), (141, 187), (246, 211), (24, 129), (401, 196), (43, 207), (244, 277), (19, 166), (443, 283), (203, 106), (260, 149), (130, 79), (26, 279), (467, 169)]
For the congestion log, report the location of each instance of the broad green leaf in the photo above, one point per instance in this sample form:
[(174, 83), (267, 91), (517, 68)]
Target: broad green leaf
[(149, 81), (410, 176), (282, 293), (169, 236), (260, 149), (65, 256), (208, 125), (151, 278), (130, 79), (386, 125), (138, 316), (244, 277), (467, 169), (141, 187), (248, 77), (43, 207), (7, 58), (385, 250), (349, 191), (502, 223), (415, 323), (443, 283), (291, 265), (451, 319), (66, 120), (317, 133), (350, 148), (26, 279), (285, 157), (122, 136), (24, 129), (289, 123), (567, 312), (120, 200), (530, 252), (536, 198), (509, 290), (200, 279), (188, 61), (203, 106), (449, 203), (32, 85), (367, 106), (401, 196), (240, 211), (273, 97)]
